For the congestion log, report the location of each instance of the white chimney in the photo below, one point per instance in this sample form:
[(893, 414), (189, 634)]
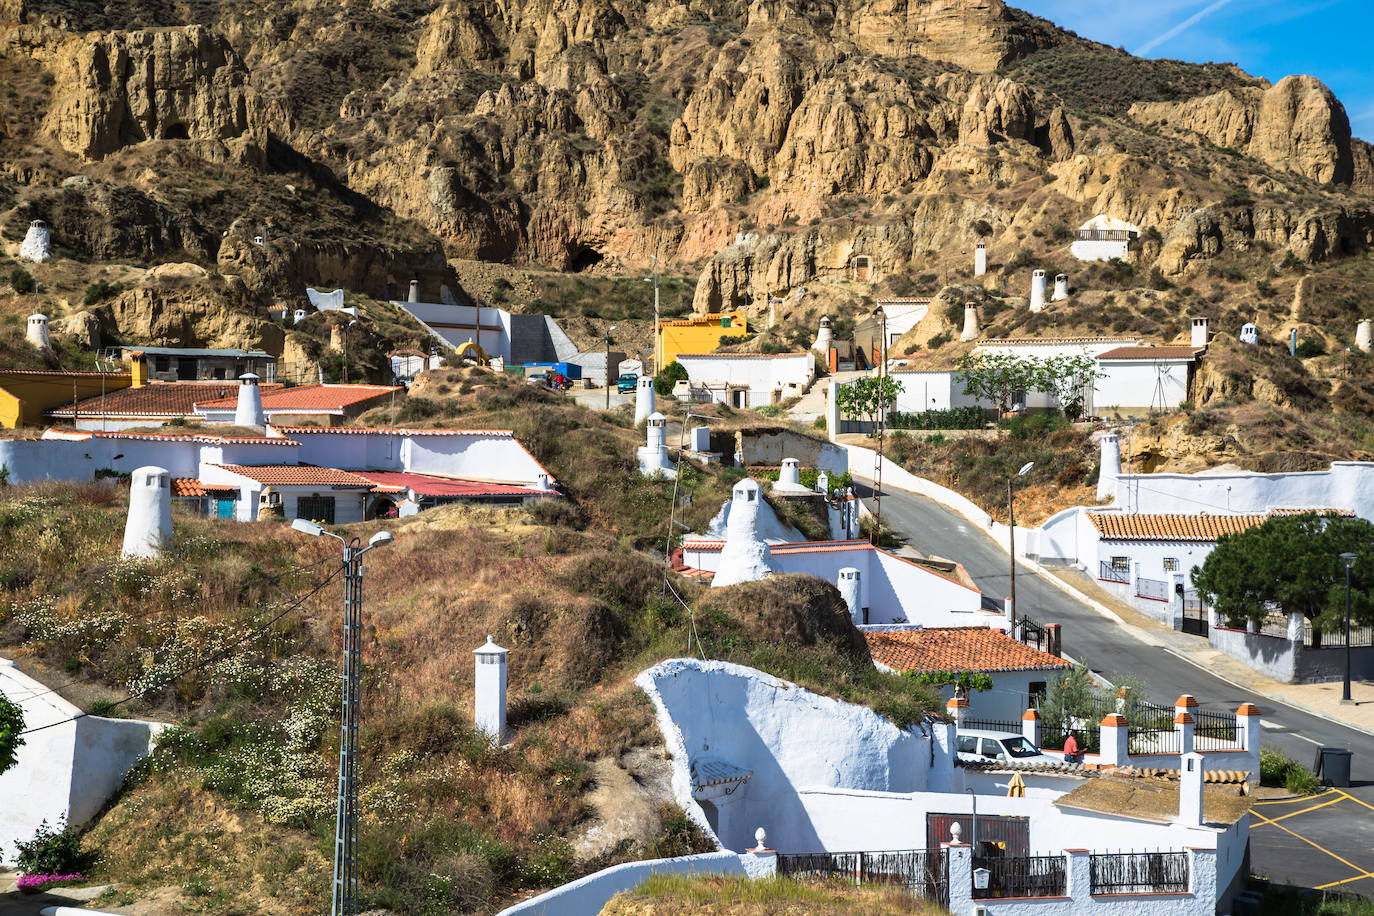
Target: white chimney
[(1037, 296), (298, 316), (745, 557), (823, 483), (1061, 288), (1364, 335), (980, 259), (489, 690), (37, 331), (148, 528), (644, 396), (248, 411), (1110, 467), (824, 337), (1200, 332), (970, 331), (1249, 334), (653, 455), (1191, 780), (414, 294), (852, 593), (701, 439), (789, 475), (37, 244)]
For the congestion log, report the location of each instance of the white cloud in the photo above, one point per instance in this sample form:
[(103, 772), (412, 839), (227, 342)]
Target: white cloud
[(1183, 26)]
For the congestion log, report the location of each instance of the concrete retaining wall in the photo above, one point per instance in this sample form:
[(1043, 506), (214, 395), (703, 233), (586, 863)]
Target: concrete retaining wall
[(586, 896)]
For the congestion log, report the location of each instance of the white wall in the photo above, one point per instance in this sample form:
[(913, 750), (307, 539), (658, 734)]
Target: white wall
[(788, 737), (455, 324), (63, 773), (1346, 485), (1009, 696), (1136, 384), (77, 459), (478, 456), (762, 375), (932, 390), (587, 896), (1088, 250)]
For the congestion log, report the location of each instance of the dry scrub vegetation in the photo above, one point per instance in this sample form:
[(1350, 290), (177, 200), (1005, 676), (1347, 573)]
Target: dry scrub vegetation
[(678, 895), (234, 812)]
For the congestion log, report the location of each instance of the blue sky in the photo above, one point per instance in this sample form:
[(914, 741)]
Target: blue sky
[(1332, 40)]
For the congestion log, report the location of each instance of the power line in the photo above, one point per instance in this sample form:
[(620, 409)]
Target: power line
[(203, 663)]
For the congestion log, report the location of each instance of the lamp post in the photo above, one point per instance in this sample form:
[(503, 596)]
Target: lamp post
[(881, 431), (608, 364), (658, 355), (1011, 535), (346, 329), (1349, 560), (345, 883)]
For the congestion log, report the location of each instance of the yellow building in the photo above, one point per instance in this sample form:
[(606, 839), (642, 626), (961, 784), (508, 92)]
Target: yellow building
[(26, 393), (698, 334)]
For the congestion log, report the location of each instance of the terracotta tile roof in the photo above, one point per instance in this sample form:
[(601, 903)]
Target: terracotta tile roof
[(429, 485), (190, 486), (1152, 353), (82, 435), (62, 372), (821, 546), (156, 399), (389, 430), (297, 475), (905, 300), (1116, 527), (308, 397), (1050, 341), (956, 649)]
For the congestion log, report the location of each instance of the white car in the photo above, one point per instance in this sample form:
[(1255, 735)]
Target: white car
[(979, 746)]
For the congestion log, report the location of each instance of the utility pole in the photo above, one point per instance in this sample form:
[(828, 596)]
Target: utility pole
[(881, 431), (608, 364), (658, 353), (345, 882), (1349, 560), (1011, 536)]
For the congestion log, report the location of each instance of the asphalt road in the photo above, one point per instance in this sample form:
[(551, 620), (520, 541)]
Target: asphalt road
[(1108, 648)]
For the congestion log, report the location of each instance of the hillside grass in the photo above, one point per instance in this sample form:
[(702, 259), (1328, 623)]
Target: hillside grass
[(234, 811), (738, 896), (1110, 82)]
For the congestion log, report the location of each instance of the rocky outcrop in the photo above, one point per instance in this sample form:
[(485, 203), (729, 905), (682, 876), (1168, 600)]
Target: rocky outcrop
[(114, 89), (1297, 124), (978, 35), (105, 222), (1310, 235), (184, 305)]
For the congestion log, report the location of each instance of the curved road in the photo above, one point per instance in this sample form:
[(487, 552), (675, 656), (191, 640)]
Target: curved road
[(1108, 648)]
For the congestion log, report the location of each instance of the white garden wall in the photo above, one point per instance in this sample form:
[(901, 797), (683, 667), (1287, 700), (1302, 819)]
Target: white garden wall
[(587, 896)]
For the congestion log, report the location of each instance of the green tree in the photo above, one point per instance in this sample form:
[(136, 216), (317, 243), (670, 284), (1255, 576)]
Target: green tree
[(21, 281), (1070, 378), (11, 727), (669, 376), (866, 397), (999, 377), (1292, 563)]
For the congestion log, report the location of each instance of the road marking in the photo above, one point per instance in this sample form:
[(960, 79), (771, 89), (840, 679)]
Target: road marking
[(1289, 801), (1354, 799), (1334, 801), (1322, 887), (1310, 843), (1265, 723), (1299, 737)]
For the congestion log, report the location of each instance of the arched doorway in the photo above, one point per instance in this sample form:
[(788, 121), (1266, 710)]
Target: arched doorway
[(382, 507), (863, 268)]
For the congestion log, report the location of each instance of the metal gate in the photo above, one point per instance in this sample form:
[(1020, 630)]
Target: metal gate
[(996, 835), (1194, 613), (316, 509), (920, 872)]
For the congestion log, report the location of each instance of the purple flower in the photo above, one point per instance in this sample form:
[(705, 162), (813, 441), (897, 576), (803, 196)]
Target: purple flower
[(32, 884)]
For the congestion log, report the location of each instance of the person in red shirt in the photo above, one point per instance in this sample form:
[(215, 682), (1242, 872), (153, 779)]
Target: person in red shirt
[(1071, 749)]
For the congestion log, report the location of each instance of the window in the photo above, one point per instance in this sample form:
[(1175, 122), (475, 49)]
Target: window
[(1037, 693), (316, 509), (967, 744), (1171, 564), (1121, 564), (991, 747), (1019, 747)]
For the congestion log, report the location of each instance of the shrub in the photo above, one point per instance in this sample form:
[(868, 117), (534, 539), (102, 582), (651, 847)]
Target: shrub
[(52, 851), (669, 376), (560, 512), (22, 281), (953, 418), (99, 291), (1278, 770), (1310, 348)]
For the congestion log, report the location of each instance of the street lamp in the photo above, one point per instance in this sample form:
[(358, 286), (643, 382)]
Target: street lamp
[(1011, 535), (348, 327), (658, 356), (881, 431), (1349, 560), (345, 884), (608, 364)]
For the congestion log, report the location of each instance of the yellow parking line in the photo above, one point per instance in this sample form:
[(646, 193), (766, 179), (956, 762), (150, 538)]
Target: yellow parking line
[(1354, 799), (1310, 843), (1322, 887), (1334, 801), (1290, 801)]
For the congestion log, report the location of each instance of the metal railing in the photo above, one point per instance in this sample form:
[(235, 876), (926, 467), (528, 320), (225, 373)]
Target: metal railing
[(1053, 735), (994, 725), (1211, 730), (921, 872), (1154, 741), (1359, 636), (1109, 573), (1106, 235), (1022, 876), (1153, 589), (1139, 872)]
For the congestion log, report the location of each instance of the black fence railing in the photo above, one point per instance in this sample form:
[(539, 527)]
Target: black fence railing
[(1154, 589), (1139, 873), (1053, 735), (1109, 573), (1326, 639), (1021, 876), (921, 872), (993, 725)]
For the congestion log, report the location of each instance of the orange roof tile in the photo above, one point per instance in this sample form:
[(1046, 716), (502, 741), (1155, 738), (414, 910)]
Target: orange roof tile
[(1048, 341), (297, 475), (156, 399), (1115, 527), (388, 430), (956, 649), (1152, 353), (190, 486), (308, 397)]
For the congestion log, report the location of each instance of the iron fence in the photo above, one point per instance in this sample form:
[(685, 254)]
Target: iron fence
[(1326, 639), (1053, 735), (1022, 876), (994, 725), (921, 872), (1109, 573), (1153, 589), (1154, 741), (1105, 235), (1211, 730), (1032, 633), (1139, 872)]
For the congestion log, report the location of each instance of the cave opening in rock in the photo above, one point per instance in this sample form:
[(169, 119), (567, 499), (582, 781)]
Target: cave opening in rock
[(584, 258), (176, 132)]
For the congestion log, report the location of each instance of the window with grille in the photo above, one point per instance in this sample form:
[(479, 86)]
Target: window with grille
[(316, 509), (1171, 564), (1121, 564)]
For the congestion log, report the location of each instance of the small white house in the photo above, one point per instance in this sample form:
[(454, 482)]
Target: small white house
[(1020, 674), (325, 495), (1104, 238), (68, 766), (1143, 379), (748, 379)]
